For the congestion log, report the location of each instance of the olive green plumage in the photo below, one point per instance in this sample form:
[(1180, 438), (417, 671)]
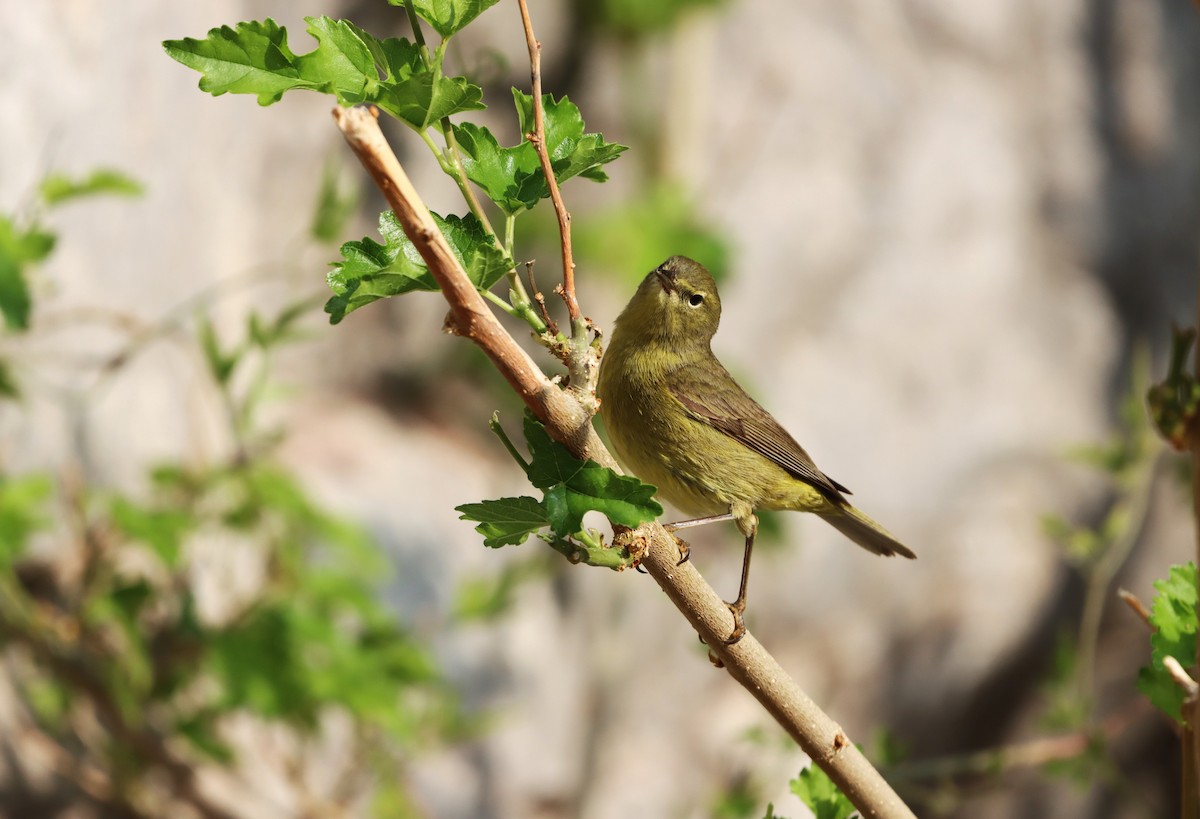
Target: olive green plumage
[(678, 420)]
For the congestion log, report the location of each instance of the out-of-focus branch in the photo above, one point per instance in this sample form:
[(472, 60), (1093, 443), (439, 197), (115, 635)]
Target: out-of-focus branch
[(1139, 608), (568, 422)]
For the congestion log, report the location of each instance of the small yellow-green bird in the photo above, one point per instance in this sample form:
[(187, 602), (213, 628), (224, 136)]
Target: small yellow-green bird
[(678, 420)]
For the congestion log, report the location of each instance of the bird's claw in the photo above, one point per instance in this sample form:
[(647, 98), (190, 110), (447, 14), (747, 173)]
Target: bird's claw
[(685, 552), (739, 627)]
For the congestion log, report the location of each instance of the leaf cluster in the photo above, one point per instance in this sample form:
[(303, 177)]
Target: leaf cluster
[(570, 489), (818, 793), (408, 81), (1173, 616), (26, 241), (369, 271), (123, 643)]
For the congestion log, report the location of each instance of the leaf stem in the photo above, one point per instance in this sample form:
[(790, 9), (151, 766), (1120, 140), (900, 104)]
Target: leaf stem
[(502, 304), (510, 230), (495, 426), (418, 36), (589, 552)]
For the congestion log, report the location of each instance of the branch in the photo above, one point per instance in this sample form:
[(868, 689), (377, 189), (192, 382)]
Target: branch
[(538, 138), (1028, 754), (1180, 677), (1191, 707), (469, 315), (1139, 608), (568, 422)]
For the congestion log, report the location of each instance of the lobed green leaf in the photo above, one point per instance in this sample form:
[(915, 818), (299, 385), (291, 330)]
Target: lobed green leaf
[(348, 63), (512, 176), (370, 271), (448, 17), (506, 521), (252, 58), (575, 487), (817, 791)]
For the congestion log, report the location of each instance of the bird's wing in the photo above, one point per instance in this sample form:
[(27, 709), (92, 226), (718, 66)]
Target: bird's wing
[(711, 396)]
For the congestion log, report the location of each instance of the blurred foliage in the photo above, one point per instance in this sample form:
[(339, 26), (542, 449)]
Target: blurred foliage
[(636, 18), (132, 675), (1173, 616), (657, 222)]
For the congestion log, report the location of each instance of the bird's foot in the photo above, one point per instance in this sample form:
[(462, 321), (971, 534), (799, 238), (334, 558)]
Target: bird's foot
[(737, 609)]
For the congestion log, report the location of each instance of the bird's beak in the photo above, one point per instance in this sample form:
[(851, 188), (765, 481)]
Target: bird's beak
[(666, 278)]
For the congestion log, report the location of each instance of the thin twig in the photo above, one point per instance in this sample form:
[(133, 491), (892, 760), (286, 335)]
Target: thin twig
[(1136, 505), (1139, 608), (1031, 753), (540, 299), (538, 138), (1180, 676), (567, 421)]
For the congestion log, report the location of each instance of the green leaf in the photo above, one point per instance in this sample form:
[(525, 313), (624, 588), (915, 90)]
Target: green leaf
[(59, 188), (257, 663), (448, 17), (19, 248), (574, 487), (22, 502), (253, 58), (220, 363), (370, 271), (512, 177), (341, 64), (162, 530), (632, 18), (347, 63), (8, 382), (505, 521), (572, 152), (426, 98), (337, 202), (1173, 615), (817, 791)]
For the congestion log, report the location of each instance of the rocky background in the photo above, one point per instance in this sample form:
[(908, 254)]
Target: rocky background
[(945, 226)]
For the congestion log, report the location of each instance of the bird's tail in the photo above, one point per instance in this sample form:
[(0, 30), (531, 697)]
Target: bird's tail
[(865, 532)]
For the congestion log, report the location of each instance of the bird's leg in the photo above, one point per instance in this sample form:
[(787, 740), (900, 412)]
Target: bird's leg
[(685, 551), (688, 524), (737, 608)]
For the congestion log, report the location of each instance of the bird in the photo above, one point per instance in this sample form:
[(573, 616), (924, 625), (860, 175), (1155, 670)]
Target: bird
[(678, 420)]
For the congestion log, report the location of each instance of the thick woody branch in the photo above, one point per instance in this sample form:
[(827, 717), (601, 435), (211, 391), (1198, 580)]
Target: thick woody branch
[(470, 316), (567, 421)]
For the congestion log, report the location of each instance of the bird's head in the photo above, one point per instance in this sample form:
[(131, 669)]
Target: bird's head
[(677, 303)]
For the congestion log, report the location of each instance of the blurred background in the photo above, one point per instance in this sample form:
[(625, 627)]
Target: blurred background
[(951, 237)]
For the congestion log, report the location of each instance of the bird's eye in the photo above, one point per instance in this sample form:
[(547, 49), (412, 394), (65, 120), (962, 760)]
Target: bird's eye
[(696, 299)]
